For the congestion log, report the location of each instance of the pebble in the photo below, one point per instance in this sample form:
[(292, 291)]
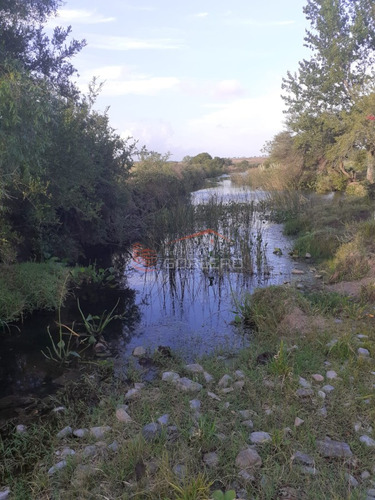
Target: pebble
[(67, 431), (208, 378), (66, 452), (139, 352), (298, 422), (80, 433), (212, 395), (239, 374), (170, 377), (260, 437), (330, 448), (132, 393), (367, 441), (4, 493), (59, 409), (322, 394), (328, 388), (246, 413), (351, 480), (225, 381), (187, 385), (57, 467), (194, 368), (302, 458), (304, 393), (164, 419), (365, 475), (123, 416), (21, 429), (362, 352), (322, 411), (248, 423), (304, 383), (180, 471), (248, 458), (317, 377), (151, 431), (89, 450), (195, 404), (331, 374), (246, 476), (113, 446), (305, 469), (99, 432), (211, 459), (239, 384)]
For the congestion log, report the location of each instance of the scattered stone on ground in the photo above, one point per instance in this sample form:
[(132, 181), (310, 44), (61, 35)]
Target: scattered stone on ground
[(225, 381), (351, 480), (246, 414), (132, 393), (317, 377), (304, 393), (80, 433), (21, 429), (331, 374), (302, 458), (322, 411), (164, 419), (113, 446), (240, 384), (362, 352), (246, 476), (99, 432), (333, 449), (180, 471), (59, 409), (170, 377), (260, 437), (248, 423), (248, 458), (211, 459), (298, 422), (367, 441), (57, 467), (67, 431), (151, 431), (4, 493), (239, 374), (90, 450), (187, 385), (322, 394), (139, 352), (194, 368), (123, 416), (328, 388), (305, 469), (208, 378), (195, 404), (212, 395)]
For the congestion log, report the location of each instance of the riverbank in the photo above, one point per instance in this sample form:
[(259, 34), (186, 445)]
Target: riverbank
[(289, 417)]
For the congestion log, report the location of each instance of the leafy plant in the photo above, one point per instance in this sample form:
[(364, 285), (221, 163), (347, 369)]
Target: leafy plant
[(95, 325), (220, 495), (196, 488), (280, 363)]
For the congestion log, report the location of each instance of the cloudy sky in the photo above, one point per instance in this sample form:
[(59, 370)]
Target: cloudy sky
[(187, 77)]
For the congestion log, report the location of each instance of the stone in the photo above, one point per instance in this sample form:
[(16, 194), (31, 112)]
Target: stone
[(132, 393), (59, 409), (298, 422), (248, 423), (367, 441), (239, 384), (212, 395), (187, 385), (152, 431), (67, 431), (180, 471), (194, 368), (365, 475), (139, 385), (260, 437), (4, 493), (99, 432), (170, 377), (211, 459), (57, 467), (317, 377), (239, 374), (302, 458), (333, 449), (139, 352), (225, 381), (195, 404), (113, 446), (307, 255), (297, 271), (363, 353), (330, 344), (322, 394), (328, 388), (21, 429), (322, 412), (248, 458), (246, 476), (164, 419), (305, 469), (351, 480), (246, 413), (90, 450), (227, 390), (331, 374), (208, 378), (357, 426), (80, 433), (304, 393), (123, 416), (360, 336), (371, 493)]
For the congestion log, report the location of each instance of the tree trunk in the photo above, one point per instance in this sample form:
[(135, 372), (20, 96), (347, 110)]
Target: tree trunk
[(370, 176)]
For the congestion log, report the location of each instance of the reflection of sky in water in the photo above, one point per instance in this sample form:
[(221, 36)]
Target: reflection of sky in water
[(191, 310)]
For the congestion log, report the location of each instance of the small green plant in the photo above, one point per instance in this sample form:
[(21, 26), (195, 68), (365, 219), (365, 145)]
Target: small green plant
[(195, 488), (60, 351), (220, 495), (95, 325), (279, 365)]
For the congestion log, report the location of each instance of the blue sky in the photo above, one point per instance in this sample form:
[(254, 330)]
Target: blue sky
[(187, 77)]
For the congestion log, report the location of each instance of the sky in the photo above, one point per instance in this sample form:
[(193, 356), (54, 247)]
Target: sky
[(185, 77)]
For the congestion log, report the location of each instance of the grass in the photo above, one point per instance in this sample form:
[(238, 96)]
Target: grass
[(172, 468)]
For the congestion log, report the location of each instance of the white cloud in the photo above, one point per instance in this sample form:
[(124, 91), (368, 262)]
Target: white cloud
[(79, 16), (228, 89), (201, 14), (125, 43)]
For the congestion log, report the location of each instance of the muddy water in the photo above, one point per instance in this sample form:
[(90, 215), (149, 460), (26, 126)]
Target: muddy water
[(183, 295)]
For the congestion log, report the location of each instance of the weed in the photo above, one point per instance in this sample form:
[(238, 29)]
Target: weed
[(195, 488), (279, 365), (95, 325)]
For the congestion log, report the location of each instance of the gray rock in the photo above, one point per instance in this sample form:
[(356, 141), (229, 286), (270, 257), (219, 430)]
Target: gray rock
[(302, 458), (212, 395), (365, 475), (239, 384), (305, 469), (211, 459), (208, 378), (367, 441), (66, 452), (195, 404), (21, 429), (80, 433), (298, 422), (99, 432), (304, 383), (239, 374), (170, 377), (187, 385), (123, 416), (246, 414), (113, 446), (333, 449), (317, 377), (164, 419), (260, 437), (132, 393), (152, 431), (331, 374), (67, 431), (371, 493), (225, 381), (57, 467), (4, 493), (304, 393), (248, 423), (59, 409), (322, 411), (194, 368), (297, 271), (322, 394), (360, 336), (227, 390), (180, 471), (139, 385), (351, 480), (139, 351), (328, 388), (362, 352), (90, 450), (248, 458), (246, 476), (331, 344)]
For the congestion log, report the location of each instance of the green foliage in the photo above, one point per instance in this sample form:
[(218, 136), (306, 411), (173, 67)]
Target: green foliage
[(220, 495), (280, 365), (95, 325), (195, 488), (321, 244)]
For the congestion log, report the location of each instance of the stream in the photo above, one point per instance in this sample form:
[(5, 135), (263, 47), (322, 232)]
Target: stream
[(181, 291)]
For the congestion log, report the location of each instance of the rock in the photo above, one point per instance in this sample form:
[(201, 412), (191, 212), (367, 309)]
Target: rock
[(330, 344), (212, 395), (152, 431), (180, 471), (298, 422), (67, 431), (123, 416), (239, 384), (21, 429), (57, 467), (317, 377), (170, 377), (248, 423), (227, 390), (132, 393), (195, 404), (328, 388), (260, 437), (371, 493), (333, 449), (211, 459), (302, 458), (139, 352), (248, 458), (80, 433), (100, 348), (113, 446), (331, 374), (208, 378), (287, 431), (4, 493), (365, 475), (367, 441), (239, 374), (357, 426), (59, 409), (90, 450), (360, 336), (139, 385), (363, 353), (304, 393), (322, 394), (351, 480), (187, 385), (246, 413), (163, 420), (99, 432), (67, 452), (297, 271), (305, 469), (225, 381), (322, 412), (194, 368), (307, 255), (246, 476)]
